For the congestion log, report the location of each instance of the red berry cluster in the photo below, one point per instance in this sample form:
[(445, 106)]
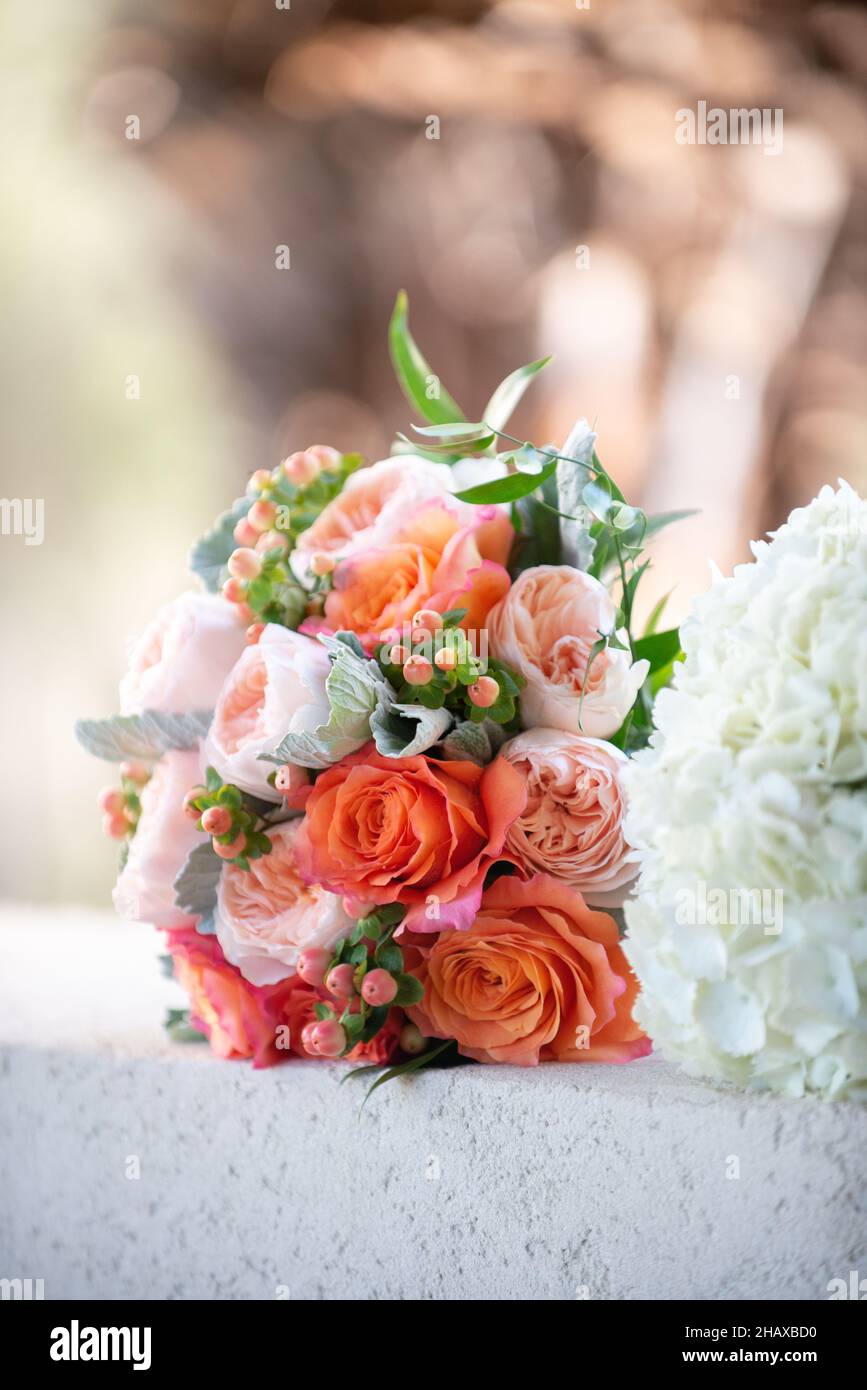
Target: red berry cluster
[(121, 806)]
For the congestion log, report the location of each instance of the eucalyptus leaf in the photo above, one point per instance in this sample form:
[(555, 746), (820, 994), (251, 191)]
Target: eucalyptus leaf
[(196, 886), (413, 373), (146, 736), (209, 555), (401, 731), (356, 688), (475, 743), (509, 393)]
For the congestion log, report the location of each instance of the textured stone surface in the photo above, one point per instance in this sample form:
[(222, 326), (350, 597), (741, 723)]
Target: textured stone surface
[(481, 1182)]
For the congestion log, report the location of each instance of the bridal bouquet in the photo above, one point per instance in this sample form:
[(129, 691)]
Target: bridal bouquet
[(371, 771)]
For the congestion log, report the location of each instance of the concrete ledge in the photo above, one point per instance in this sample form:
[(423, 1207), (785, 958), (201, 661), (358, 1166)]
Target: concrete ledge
[(482, 1182)]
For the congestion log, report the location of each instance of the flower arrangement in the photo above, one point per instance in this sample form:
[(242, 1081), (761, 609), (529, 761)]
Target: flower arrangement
[(749, 932), (371, 773)]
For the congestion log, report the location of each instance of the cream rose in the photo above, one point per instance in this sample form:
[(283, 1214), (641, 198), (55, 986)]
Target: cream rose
[(266, 916), (164, 837), (183, 657), (277, 687), (545, 628), (571, 826)]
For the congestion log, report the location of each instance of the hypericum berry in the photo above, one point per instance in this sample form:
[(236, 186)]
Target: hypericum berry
[(260, 479), (233, 848), (484, 692), (232, 591), (272, 540), (446, 659), (312, 965), (262, 516), (253, 633), (115, 826), (340, 981), (412, 1040), (398, 655), (328, 1038), (244, 533), (428, 618), (353, 908), (111, 801), (328, 458), (417, 670), (189, 809), (321, 563), (245, 613), (302, 468), (217, 820), (307, 1037), (135, 772), (290, 778), (244, 563), (422, 634), (378, 987)]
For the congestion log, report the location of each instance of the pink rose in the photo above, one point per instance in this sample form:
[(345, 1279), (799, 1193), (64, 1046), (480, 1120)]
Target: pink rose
[(184, 655), (232, 1014), (545, 628), (572, 825), (158, 851), (266, 916), (277, 687)]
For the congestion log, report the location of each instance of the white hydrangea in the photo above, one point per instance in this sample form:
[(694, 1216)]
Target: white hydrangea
[(749, 812)]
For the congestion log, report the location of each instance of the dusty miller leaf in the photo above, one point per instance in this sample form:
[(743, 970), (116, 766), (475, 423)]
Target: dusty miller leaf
[(147, 735)]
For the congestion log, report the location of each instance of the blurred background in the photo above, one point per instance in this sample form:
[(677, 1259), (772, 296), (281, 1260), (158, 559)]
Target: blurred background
[(210, 205)]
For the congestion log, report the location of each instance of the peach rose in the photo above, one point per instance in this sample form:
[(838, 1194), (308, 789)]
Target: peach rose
[(230, 1012), (409, 830), (266, 916), (571, 826), (545, 628), (437, 559), (184, 655), (164, 837), (372, 506), (277, 687), (539, 977)]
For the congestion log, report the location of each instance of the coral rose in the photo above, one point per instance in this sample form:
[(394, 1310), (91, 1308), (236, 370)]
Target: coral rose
[(439, 558), (266, 916), (229, 1011), (572, 825), (164, 837), (277, 687), (184, 655), (409, 830), (545, 628), (539, 977)]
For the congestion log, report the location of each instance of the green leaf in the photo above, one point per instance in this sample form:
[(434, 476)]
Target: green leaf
[(507, 489), (404, 1068), (179, 1028), (209, 555), (391, 914), (509, 392), (656, 613), (409, 991), (356, 690), (454, 434), (389, 957), (453, 616), (404, 730), (659, 648), (598, 501), (196, 886), (413, 373), (146, 736)]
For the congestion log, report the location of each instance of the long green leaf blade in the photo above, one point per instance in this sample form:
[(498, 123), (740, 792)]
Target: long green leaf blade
[(413, 372)]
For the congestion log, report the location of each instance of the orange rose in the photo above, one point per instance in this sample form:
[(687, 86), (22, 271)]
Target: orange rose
[(538, 977), (438, 559), (409, 830)]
